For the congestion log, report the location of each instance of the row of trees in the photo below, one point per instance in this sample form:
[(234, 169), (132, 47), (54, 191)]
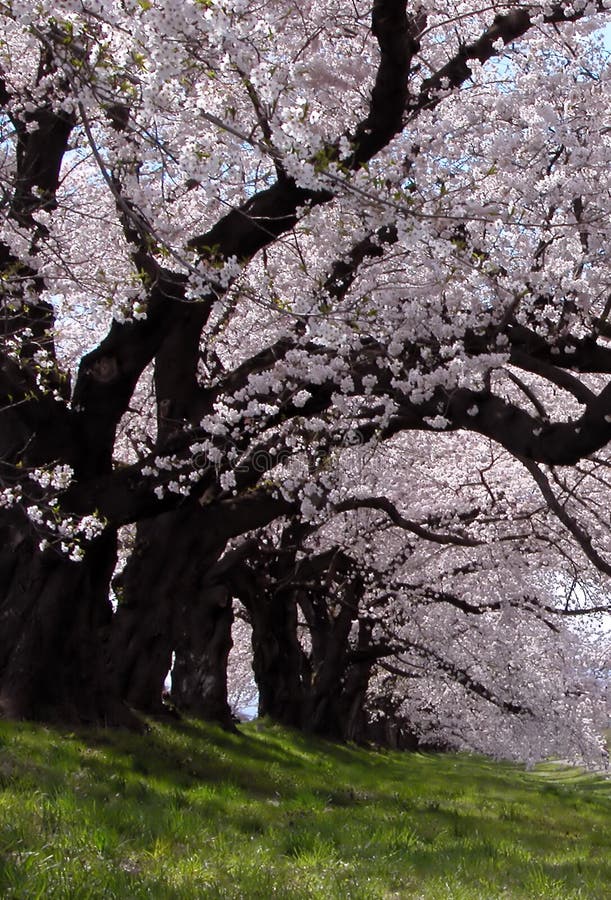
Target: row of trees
[(306, 308), (442, 631)]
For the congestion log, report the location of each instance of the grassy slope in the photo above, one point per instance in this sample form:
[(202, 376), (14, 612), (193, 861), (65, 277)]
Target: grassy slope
[(188, 811)]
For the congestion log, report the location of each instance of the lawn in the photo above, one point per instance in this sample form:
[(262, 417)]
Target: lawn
[(189, 811)]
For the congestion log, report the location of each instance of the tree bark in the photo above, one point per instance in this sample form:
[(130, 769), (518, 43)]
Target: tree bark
[(160, 582), (54, 620), (278, 660), (199, 674), (335, 687), (329, 599), (353, 716), (165, 598)]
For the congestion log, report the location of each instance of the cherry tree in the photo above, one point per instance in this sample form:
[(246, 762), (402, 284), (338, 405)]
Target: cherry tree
[(233, 240), (377, 616)]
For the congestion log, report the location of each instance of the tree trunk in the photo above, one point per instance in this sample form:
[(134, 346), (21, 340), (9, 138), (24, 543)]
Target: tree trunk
[(199, 674), (278, 660), (140, 651), (54, 620), (160, 582), (329, 620), (352, 713)]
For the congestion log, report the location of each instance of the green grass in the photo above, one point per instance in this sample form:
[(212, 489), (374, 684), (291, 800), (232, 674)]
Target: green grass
[(188, 811)]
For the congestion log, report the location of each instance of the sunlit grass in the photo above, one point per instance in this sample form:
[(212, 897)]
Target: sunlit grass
[(189, 811)]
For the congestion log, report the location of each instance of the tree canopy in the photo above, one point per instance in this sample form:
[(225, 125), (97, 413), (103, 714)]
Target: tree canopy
[(306, 307)]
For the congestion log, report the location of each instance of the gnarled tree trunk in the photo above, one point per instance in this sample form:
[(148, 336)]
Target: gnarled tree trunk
[(54, 620), (329, 633), (278, 660), (160, 584), (199, 674)]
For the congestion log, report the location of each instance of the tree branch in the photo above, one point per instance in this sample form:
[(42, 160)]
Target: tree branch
[(386, 506)]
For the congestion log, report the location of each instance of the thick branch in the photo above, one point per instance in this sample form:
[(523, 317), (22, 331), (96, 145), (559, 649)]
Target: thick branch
[(386, 506), (506, 29), (462, 677), (259, 221), (108, 375), (397, 35), (581, 536), (561, 443)]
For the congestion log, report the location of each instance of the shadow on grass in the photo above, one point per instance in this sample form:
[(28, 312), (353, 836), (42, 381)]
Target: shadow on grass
[(204, 793)]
